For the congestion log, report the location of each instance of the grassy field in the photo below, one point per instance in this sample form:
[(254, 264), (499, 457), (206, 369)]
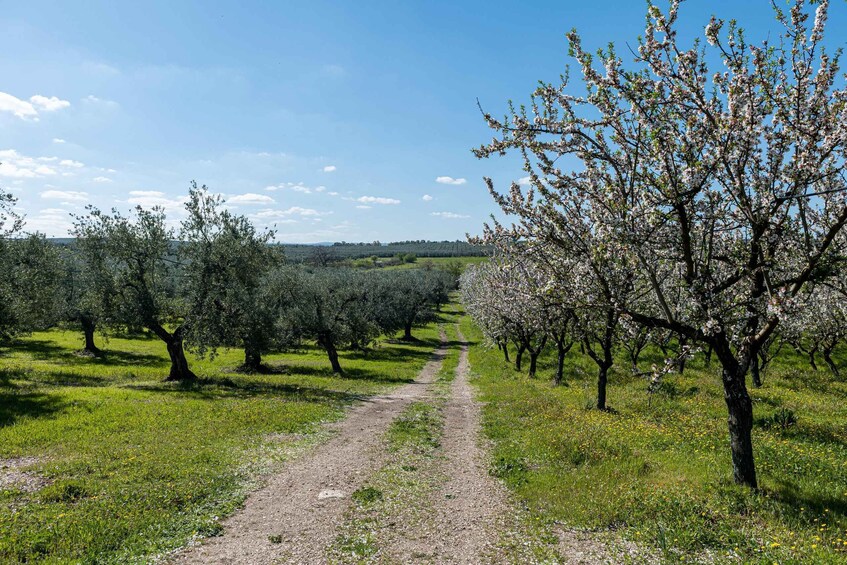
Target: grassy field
[(114, 465), (657, 470)]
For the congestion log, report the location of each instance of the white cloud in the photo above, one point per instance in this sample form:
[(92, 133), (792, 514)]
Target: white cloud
[(15, 165), (250, 199), (296, 187), (330, 168), (58, 140), (524, 181), (71, 163), (20, 108), (102, 179), (55, 222), (426, 198), (364, 207), (153, 193), (377, 200), (449, 215), (333, 193), (49, 104), (151, 198), (293, 211), (28, 110), (65, 195), (450, 180)]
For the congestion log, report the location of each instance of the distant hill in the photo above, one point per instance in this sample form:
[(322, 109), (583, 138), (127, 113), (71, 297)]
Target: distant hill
[(344, 250), (420, 248)]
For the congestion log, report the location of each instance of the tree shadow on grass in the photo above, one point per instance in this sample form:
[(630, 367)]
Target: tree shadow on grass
[(114, 358), (350, 373), (218, 388), (18, 404), (42, 350), (795, 501)]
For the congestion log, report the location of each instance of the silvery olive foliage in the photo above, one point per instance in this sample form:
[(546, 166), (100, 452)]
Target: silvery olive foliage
[(233, 298), (141, 256), (29, 275), (702, 202)]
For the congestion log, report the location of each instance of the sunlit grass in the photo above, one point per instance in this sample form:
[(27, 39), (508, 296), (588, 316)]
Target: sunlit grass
[(658, 469), (138, 466)]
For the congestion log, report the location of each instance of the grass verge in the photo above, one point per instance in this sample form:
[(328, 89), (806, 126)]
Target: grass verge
[(657, 470)]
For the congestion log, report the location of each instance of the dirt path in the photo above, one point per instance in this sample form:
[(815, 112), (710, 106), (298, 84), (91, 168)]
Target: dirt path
[(295, 516), (471, 506)]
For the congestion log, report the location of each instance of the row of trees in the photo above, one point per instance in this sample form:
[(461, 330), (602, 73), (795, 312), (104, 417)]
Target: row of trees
[(215, 282), (667, 197)]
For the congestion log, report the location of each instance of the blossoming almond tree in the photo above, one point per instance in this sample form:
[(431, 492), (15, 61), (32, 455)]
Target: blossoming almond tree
[(728, 186)]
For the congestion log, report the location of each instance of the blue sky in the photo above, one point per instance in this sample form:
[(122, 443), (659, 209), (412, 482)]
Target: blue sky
[(330, 120)]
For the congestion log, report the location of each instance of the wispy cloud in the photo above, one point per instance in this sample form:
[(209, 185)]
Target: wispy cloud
[(377, 200), (524, 181), (426, 198), (71, 195), (250, 199), (364, 207), (330, 169), (71, 163), (449, 215), (151, 198), (450, 180), (102, 179), (58, 140), (293, 211), (295, 187)]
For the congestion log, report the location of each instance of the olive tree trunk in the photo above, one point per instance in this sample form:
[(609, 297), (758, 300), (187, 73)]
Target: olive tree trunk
[(328, 344), (174, 342), (88, 327)]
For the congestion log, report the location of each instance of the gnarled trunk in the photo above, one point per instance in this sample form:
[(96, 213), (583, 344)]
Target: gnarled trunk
[(680, 362), (519, 357), (328, 344), (88, 327), (252, 359), (561, 351), (827, 356), (602, 380), (176, 352), (755, 373), (407, 332), (740, 408), (533, 363)]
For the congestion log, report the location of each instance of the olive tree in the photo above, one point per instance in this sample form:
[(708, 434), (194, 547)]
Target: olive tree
[(139, 252), (231, 296), (29, 274), (407, 297), (329, 306), (728, 186)]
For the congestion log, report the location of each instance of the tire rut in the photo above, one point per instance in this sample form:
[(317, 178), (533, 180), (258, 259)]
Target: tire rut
[(301, 507)]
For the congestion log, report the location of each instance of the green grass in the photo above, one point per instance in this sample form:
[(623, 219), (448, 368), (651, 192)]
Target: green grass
[(423, 262), (137, 466), (657, 470)]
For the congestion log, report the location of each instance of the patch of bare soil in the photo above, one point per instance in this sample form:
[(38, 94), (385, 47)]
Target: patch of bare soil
[(15, 474), (295, 516)]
